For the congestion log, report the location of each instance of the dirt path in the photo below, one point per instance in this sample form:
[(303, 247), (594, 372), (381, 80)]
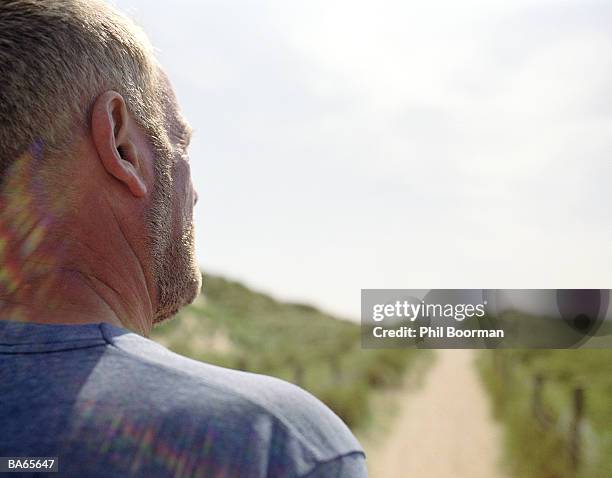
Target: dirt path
[(443, 429)]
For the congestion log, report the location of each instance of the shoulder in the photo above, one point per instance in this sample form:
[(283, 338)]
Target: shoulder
[(284, 417)]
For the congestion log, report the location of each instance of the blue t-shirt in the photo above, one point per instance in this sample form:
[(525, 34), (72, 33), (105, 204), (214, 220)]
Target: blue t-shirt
[(110, 403)]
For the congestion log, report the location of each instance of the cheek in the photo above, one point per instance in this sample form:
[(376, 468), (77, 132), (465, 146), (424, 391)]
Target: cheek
[(183, 194)]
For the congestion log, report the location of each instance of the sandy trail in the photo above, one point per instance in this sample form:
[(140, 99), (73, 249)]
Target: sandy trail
[(442, 429)]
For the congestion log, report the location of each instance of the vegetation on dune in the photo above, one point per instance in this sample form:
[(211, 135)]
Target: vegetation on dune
[(233, 326)]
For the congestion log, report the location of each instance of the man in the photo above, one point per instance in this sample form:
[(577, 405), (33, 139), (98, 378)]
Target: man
[(96, 247)]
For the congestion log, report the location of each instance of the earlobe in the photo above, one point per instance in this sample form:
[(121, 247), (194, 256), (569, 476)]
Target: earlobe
[(112, 131)]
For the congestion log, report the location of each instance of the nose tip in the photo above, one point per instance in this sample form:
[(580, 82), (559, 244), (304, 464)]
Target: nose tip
[(195, 197)]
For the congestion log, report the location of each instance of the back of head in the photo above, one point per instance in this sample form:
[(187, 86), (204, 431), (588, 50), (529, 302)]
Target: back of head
[(58, 60), (56, 57)]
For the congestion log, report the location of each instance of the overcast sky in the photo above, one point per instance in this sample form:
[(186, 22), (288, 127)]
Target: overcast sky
[(342, 145)]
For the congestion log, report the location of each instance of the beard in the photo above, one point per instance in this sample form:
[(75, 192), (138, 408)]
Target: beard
[(172, 237)]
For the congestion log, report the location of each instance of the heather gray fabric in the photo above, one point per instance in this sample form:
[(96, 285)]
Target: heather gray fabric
[(110, 403)]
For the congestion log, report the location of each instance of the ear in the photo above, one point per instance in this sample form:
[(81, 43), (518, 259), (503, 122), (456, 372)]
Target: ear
[(113, 132)]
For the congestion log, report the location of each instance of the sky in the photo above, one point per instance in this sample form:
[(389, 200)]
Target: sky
[(343, 145)]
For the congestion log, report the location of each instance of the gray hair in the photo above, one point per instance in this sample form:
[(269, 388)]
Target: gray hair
[(56, 57)]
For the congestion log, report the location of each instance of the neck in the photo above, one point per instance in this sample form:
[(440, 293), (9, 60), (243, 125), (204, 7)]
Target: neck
[(63, 297), (56, 293), (77, 271)]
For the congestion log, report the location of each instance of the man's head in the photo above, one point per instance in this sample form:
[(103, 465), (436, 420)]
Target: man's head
[(85, 103)]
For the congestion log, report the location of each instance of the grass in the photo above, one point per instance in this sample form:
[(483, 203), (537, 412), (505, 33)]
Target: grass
[(538, 437)]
